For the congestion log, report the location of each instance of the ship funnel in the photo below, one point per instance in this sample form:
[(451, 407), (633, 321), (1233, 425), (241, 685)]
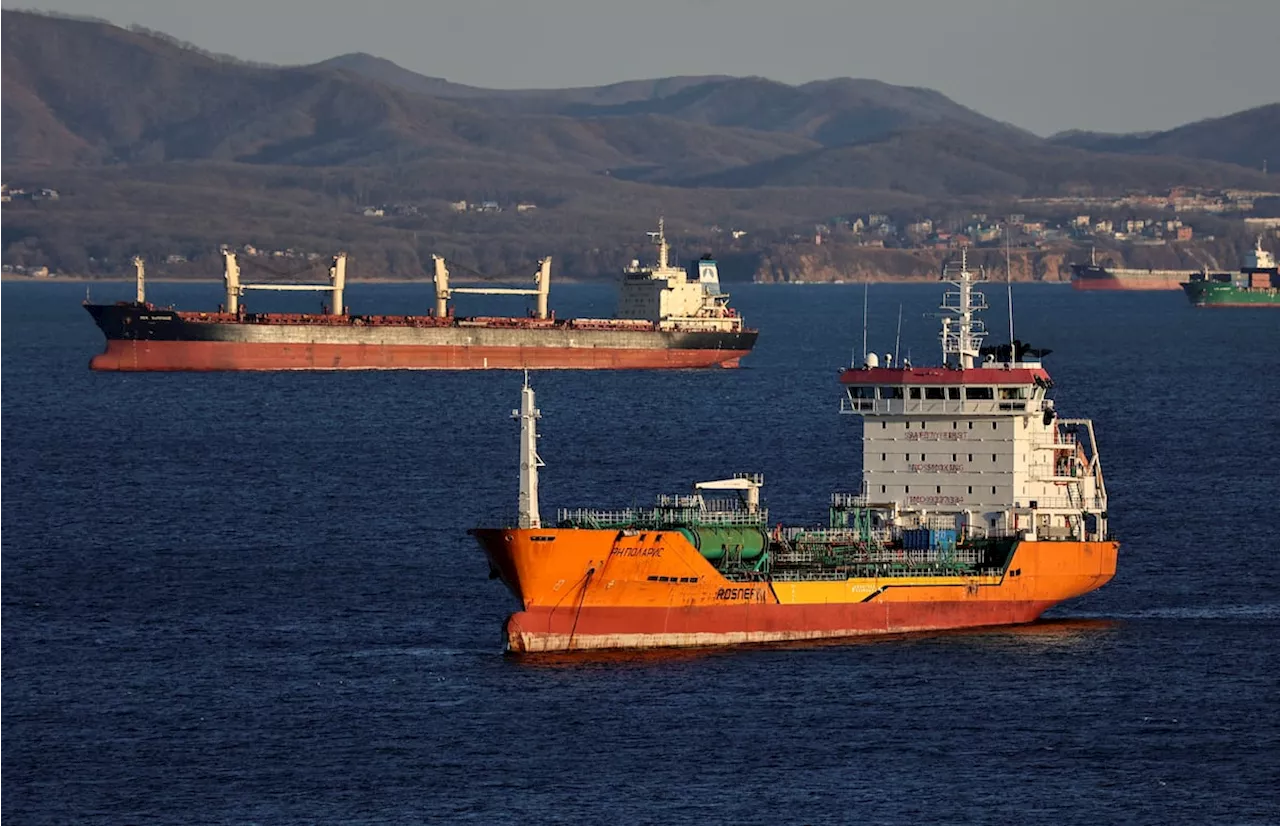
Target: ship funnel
[(140, 274), (708, 275), (231, 280), (528, 415), (338, 278)]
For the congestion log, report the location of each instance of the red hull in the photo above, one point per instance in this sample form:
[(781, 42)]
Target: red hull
[(1128, 284), (134, 355), (566, 629)]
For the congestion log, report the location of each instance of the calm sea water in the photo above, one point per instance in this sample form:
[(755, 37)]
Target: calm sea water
[(238, 598)]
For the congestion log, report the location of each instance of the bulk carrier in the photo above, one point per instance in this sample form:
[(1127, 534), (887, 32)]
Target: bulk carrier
[(666, 319), (1093, 276), (978, 506), (1256, 285)]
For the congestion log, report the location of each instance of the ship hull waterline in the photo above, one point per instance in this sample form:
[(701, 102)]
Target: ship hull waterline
[(594, 590), (1110, 284), (140, 355)]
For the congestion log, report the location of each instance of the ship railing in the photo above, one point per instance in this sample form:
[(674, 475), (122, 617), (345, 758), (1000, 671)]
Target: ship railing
[(802, 554), (656, 518), (960, 407), (1092, 504), (848, 500), (679, 500), (597, 518), (826, 536), (759, 518), (890, 572), (844, 535), (1057, 440), (722, 506)]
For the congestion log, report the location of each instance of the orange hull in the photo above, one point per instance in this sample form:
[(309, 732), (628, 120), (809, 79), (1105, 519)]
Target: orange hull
[(142, 355), (602, 589)]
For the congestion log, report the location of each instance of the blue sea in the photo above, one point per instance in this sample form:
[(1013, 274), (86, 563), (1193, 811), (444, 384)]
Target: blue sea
[(250, 598)]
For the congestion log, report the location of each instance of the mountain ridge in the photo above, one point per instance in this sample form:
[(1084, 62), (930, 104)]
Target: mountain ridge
[(128, 123)]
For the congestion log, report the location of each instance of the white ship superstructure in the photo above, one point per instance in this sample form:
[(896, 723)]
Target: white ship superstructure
[(668, 297), (975, 445)]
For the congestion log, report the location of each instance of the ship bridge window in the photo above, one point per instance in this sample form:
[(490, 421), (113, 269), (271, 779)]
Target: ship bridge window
[(934, 393), (979, 393), (953, 392), (890, 392), (861, 392), (1013, 392), (915, 392)]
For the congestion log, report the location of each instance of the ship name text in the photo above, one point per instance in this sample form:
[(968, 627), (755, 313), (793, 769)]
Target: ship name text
[(934, 500), (937, 435), (741, 594), (918, 468), (636, 552)]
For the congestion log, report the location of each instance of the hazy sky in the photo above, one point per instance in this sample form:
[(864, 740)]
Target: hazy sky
[(1045, 65)]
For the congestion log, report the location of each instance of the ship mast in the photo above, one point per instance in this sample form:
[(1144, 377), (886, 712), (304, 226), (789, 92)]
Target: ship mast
[(140, 276), (961, 333), (529, 459)]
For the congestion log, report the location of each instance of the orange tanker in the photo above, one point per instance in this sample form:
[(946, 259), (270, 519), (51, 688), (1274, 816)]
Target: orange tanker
[(978, 506)]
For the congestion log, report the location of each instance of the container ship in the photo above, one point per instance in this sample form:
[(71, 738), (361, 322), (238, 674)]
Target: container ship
[(1256, 285), (978, 506), (667, 318)]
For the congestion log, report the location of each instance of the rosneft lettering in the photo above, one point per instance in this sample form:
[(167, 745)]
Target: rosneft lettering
[(636, 552), (740, 594)]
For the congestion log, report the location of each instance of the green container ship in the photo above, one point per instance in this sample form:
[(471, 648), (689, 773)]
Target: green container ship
[(1256, 285)]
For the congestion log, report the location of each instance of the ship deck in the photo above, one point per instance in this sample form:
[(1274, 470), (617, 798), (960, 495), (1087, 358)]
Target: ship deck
[(431, 321)]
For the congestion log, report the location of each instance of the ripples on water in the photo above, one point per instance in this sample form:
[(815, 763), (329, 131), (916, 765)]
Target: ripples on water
[(250, 598)]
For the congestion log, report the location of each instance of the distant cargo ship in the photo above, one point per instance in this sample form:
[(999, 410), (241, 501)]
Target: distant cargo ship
[(1256, 285), (1093, 276), (978, 506), (667, 318)]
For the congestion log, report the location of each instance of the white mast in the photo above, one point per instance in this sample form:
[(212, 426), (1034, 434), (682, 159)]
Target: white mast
[(962, 334), (1008, 279), (231, 280), (897, 342), (338, 280), (662, 243), (529, 459), (865, 287), (141, 277)]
